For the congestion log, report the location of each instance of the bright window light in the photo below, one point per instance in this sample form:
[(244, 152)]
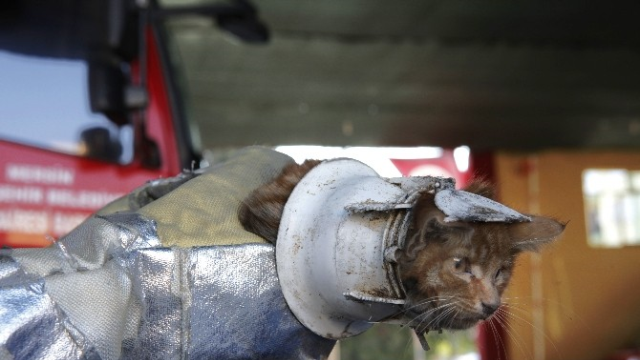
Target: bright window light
[(612, 207), (378, 158), (461, 157)]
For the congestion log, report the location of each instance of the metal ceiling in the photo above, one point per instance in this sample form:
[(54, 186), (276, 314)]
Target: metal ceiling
[(489, 74)]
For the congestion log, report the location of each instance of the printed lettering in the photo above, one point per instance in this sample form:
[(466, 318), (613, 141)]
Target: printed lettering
[(24, 221), (82, 199), (21, 194), (51, 175)]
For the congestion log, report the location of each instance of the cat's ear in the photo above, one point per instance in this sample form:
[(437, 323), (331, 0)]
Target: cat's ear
[(481, 187), (531, 236)]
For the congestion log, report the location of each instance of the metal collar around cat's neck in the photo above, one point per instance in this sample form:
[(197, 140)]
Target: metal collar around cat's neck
[(398, 224)]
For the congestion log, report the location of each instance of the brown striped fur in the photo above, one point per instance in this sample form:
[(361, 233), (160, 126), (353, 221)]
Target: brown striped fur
[(261, 211)]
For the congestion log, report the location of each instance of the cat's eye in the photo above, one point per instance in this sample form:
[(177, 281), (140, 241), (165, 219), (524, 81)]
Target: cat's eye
[(461, 264)]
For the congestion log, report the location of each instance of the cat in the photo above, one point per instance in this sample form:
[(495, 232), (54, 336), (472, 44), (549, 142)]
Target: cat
[(453, 273)]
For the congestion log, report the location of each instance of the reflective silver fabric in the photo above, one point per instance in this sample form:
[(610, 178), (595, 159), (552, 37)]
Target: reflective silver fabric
[(240, 312), (109, 290), (31, 325)]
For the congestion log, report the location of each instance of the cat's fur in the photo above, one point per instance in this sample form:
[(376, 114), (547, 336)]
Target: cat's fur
[(261, 211), (454, 273)]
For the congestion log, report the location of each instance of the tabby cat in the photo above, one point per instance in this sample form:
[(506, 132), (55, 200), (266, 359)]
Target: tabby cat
[(454, 273)]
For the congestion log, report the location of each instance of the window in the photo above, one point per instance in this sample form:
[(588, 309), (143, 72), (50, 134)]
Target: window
[(612, 207), (49, 108)]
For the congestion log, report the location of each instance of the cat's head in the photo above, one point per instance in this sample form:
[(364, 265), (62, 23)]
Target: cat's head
[(454, 273)]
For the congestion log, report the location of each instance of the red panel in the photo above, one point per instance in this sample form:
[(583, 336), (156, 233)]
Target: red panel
[(492, 343), (44, 194), (159, 119)]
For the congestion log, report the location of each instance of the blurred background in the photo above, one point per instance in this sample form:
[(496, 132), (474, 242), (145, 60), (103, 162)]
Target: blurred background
[(540, 97)]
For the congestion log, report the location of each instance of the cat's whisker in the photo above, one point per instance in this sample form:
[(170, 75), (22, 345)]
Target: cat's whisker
[(565, 311), (406, 310), (447, 318), (421, 317), (515, 307), (452, 318), (425, 302), (432, 299), (537, 329), (496, 335), (430, 312), (446, 308), (442, 315), (500, 318)]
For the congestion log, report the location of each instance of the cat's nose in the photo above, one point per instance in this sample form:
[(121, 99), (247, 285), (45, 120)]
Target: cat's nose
[(489, 309)]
